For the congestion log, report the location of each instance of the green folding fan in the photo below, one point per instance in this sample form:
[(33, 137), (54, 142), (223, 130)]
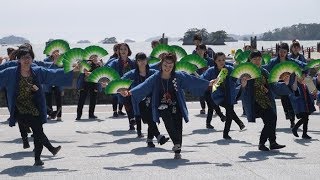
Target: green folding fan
[(114, 86), (281, 68), (94, 50), (179, 51), (153, 60), (238, 52), (243, 57), (186, 67), (71, 58), (61, 45), (105, 74), (84, 65), (59, 61), (221, 77), (246, 69), (196, 60), (313, 64), (266, 58), (161, 48)]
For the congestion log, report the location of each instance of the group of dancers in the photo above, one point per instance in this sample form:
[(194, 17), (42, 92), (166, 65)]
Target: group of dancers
[(157, 91)]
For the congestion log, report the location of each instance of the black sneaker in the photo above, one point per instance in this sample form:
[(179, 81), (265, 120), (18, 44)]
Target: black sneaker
[(262, 147), (115, 114), (25, 143), (276, 146), (294, 132), (242, 127), (177, 156), (38, 163), (55, 150), (209, 126), (305, 136), (121, 113), (151, 145), (140, 135), (131, 128), (202, 111), (223, 118), (93, 117), (163, 140), (227, 137)]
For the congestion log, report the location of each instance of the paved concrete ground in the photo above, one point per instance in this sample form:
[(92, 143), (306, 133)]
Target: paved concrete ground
[(105, 149)]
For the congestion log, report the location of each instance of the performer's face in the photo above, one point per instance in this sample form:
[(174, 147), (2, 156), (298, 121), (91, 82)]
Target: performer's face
[(167, 66), (256, 61)]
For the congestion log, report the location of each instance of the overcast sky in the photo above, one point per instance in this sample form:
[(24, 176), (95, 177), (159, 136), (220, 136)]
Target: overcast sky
[(73, 20)]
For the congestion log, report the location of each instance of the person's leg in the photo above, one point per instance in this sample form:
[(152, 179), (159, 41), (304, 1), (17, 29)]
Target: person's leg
[(203, 105), (93, 101), (58, 98), (82, 100), (305, 128), (228, 121), (288, 109), (129, 110), (211, 104), (114, 105), (49, 103), (23, 128)]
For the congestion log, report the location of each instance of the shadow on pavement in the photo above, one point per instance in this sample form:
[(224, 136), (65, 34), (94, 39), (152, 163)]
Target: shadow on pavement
[(23, 170), (254, 156)]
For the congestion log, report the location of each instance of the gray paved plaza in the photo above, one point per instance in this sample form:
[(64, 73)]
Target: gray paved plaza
[(105, 149)]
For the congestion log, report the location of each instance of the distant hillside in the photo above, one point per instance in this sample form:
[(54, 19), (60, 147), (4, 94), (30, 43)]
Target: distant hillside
[(83, 42), (297, 31), (129, 41), (13, 40), (245, 37), (172, 39)]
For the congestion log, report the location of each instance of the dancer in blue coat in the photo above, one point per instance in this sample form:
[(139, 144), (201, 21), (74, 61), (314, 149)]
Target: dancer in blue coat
[(226, 93), (168, 101), (26, 99), (258, 101), (138, 76)]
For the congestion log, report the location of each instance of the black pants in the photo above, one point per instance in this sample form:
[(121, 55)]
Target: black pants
[(58, 98), (173, 124), (129, 109), (202, 102), (24, 129), (211, 106), (40, 139), (90, 88), (146, 117), (287, 108), (115, 102), (230, 115), (304, 119), (269, 118)]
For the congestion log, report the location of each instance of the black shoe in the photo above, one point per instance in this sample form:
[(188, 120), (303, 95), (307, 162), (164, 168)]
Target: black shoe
[(121, 113), (305, 136), (262, 147), (131, 128), (202, 111), (132, 122), (78, 118), (177, 156), (227, 137), (242, 127), (93, 117), (55, 150), (292, 124), (163, 140), (223, 118), (115, 114), (294, 132), (25, 143), (53, 115), (209, 126), (151, 145), (38, 163), (140, 135), (276, 146)]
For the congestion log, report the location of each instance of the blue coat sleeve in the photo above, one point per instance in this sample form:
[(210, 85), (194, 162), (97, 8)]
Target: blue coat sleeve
[(208, 74), (280, 88), (55, 77), (8, 64), (4, 77), (193, 84), (43, 64)]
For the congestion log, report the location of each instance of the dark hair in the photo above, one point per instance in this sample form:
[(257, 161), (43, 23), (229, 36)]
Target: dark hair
[(24, 51), (295, 43), (13, 55), (125, 44), (155, 42), (254, 54), (26, 45), (217, 55), (116, 47), (201, 46), (284, 46), (168, 56), (197, 37), (9, 50), (141, 55)]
